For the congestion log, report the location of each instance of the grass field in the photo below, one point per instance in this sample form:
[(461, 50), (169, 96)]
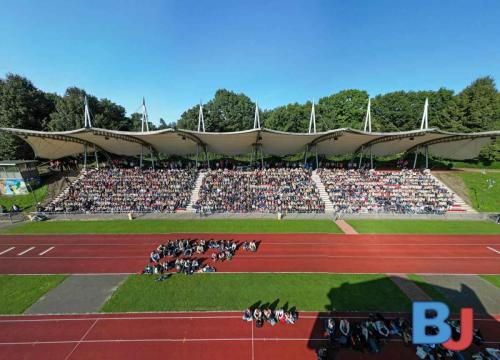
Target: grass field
[(494, 279), (239, 291), (26, 202), (483, 189), (476, 165), (432, 292), (19, 292), (181, 226), (424, 227)]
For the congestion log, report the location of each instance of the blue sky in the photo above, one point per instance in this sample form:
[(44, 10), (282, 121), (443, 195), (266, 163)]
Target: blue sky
[(177, 52)]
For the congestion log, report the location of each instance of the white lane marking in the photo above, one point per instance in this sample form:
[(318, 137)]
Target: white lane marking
[(253, 351), (191, 317), (180, 340), (494, 250), (250, 257), (82, 339), (46, 251), (264, 242), (6, 251), (25, 251)]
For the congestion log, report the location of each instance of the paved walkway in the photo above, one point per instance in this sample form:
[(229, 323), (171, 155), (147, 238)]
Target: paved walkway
[(412, 290), (345, 227), (78, 294), (468, 291)]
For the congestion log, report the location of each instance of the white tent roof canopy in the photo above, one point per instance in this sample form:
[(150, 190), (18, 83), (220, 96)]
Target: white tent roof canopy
[(55, 145)]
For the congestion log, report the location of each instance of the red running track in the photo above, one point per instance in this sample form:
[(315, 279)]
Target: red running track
[(453, 254), (203, 335)]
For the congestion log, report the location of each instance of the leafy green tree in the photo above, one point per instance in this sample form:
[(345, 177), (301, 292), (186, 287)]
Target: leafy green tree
[(69, 112), (292, 118), (344, 109), (479, 105), (109, 115), (22, 106), (227, 111)]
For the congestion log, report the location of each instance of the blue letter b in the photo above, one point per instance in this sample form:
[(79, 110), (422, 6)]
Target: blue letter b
[(421, 322)]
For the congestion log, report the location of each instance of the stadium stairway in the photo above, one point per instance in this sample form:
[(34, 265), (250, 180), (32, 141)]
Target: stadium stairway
[(196, 191), (322, 192), (459, 205), (64, 188)]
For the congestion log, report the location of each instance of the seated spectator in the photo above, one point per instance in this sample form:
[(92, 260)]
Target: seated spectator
[(155, 257), (257, 314), (207, 269), (345, 327), (148, 270), (247, 315), (269, 316), (330, 327)]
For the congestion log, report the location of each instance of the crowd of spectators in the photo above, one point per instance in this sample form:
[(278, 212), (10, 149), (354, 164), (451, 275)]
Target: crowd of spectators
[(127, 190), (370, 191), (276, 190)]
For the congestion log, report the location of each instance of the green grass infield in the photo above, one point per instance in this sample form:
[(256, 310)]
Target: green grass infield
[(211, 292), (424, 227), (19, 292), (494, 279), (175, 226)]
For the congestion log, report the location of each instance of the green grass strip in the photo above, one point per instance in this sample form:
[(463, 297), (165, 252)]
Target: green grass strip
[(424, 227), (494, 279), (483, 189), (26, 202), (313, 292), (432, 292), (19, 292), (180, 226)]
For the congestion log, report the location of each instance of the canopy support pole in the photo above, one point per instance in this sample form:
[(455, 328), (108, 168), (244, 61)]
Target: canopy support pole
[(152, 157), (142, 155), (371, 158), (361, 157), (426, 156), (85, 157), (206, 158), (261, 157), (317, 160), (416, 157), (197, 153), (96, 158), (305, 155)]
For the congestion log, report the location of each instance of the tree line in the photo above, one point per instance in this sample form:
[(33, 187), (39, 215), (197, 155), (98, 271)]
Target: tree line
[(475, 108)]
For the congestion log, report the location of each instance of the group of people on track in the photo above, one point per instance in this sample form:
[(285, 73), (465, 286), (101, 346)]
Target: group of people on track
[(272, 317), (372, 333), (182, 255)]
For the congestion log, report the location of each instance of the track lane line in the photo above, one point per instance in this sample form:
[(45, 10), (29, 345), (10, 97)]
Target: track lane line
[(487, 247), (81, 339), (26, 251), (6, 251), (46, 251), (181, 340)]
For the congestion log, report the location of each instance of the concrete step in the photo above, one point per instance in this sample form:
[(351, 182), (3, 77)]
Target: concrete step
[(322, 192), (195, 194), (459, 205)]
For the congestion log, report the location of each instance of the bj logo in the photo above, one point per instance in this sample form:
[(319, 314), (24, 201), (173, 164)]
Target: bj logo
[(432, 315)]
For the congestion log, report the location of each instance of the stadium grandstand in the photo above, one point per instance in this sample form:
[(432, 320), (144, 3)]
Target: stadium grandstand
[(221, 187)]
